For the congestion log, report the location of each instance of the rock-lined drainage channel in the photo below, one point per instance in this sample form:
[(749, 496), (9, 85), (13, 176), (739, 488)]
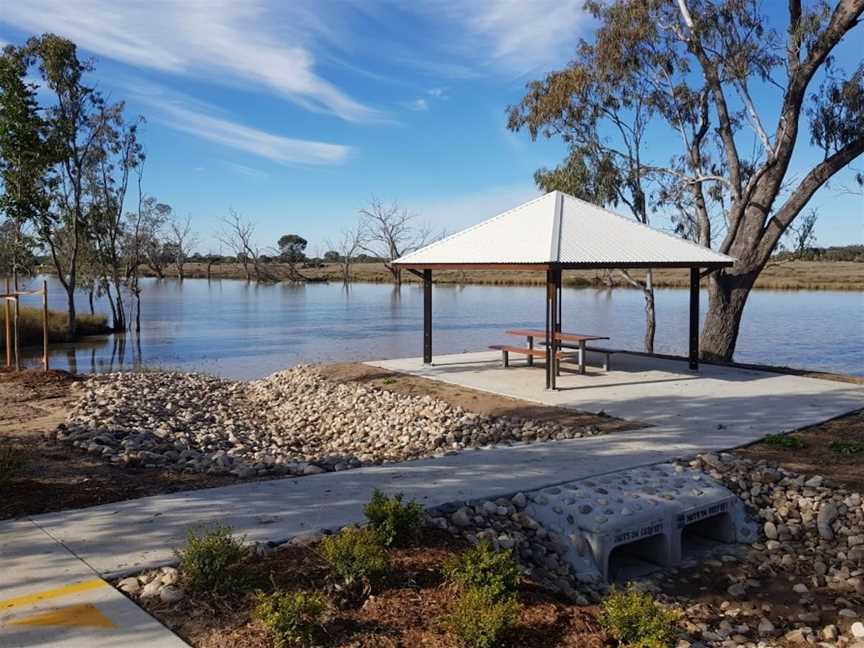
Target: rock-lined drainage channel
[(591, 531)]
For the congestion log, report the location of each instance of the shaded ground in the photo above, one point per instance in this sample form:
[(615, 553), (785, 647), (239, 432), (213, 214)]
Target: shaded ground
[(55, 476), (406, 610), (834, 449)]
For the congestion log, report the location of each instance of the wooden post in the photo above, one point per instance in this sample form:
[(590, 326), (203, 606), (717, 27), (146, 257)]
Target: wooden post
[(694, 318), (15, 332), (427, 317), (45, 324), (8, 313)]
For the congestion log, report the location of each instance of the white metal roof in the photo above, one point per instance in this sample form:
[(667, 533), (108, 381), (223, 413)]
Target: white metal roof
[(558, 228)]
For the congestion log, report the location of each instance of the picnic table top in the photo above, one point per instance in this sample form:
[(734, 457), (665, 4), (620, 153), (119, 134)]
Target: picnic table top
[(561, 335)]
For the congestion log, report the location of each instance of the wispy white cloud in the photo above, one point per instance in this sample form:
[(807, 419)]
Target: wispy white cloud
[(205, 121), (221, 41), (284, 150), (417, 104), (244, 170), (513, 35)]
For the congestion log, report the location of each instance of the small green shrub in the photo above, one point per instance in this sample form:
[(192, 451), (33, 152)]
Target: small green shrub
[(481, 567), (291, 618), (784, 441), (636, 620), (398, 524), (212, 559), (354, 555), (11, 463), (478, 619), (847, 447)]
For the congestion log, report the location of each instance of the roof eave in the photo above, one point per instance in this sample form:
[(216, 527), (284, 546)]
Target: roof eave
[(564, 266)]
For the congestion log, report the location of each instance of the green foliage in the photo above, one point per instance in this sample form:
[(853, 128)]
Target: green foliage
[(398, 524), (481, 567), (11, 462), (847, 447), (479, 620), (785, 441), (292, 618), (212, 560), (354, 555), (636, 620)]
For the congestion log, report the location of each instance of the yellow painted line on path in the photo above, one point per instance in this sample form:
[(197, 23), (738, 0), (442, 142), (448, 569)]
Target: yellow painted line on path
[(83, 615), (65, 590)]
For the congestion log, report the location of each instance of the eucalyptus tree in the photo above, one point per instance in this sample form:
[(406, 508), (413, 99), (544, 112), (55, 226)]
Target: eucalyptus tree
[(116, 155), (699, 64), (25, 158), (75, 121), (602, 113)]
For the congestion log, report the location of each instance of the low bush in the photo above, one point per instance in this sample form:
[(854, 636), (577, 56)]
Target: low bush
[(847, 447), (356, 558), (784, 441), (481, 567), (11, 463), (212, 560), (478, 619), (398, 524), (291, 618), (636, 620)]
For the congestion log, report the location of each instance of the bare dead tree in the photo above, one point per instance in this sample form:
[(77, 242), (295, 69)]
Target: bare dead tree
[(347, 246), (237, 235), (391, 231), (181, 239)]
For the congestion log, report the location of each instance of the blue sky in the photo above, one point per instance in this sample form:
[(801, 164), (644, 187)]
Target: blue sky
[(296, 113)]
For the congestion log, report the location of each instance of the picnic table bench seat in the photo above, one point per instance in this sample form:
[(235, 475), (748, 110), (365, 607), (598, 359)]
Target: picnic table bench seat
[(531, 352)]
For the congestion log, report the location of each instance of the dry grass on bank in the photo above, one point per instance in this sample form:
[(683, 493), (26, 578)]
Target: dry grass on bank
[(792, 275), (30, 326)]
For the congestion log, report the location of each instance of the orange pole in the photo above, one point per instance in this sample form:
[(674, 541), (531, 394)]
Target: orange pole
[(45, 323), (8, 324)]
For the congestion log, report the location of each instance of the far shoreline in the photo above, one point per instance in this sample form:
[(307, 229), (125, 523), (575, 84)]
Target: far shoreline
[(791, 275)]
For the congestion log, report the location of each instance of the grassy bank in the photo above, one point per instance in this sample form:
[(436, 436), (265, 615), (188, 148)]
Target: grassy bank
[(791, 275), (30, 326)]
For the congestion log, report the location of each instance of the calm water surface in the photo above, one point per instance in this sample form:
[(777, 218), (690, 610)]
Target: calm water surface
[(244, 330)]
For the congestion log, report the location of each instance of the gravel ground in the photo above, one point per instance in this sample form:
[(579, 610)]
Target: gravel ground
[(293, 422)]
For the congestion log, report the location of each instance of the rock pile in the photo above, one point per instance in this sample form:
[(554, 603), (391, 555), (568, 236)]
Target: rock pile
[(505, 524), (161, 584), (812, 539), (294, 422)]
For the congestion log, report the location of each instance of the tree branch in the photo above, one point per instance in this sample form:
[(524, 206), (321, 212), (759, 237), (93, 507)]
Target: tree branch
[(818, 176)]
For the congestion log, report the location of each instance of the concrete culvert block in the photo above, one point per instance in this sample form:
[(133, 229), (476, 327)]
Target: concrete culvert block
[(640, 515)]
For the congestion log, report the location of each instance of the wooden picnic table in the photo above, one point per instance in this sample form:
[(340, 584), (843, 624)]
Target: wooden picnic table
[(577, 341)]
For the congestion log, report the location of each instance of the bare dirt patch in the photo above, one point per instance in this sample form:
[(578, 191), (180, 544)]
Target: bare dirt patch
[(472, 400), (834, 449), (406, 610), (54, 476)]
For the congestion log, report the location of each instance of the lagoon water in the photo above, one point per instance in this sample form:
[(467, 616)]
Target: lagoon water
[(246, 330)]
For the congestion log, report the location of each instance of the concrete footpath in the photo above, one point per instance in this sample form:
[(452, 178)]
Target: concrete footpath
[(49, 597), (64, 549)]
